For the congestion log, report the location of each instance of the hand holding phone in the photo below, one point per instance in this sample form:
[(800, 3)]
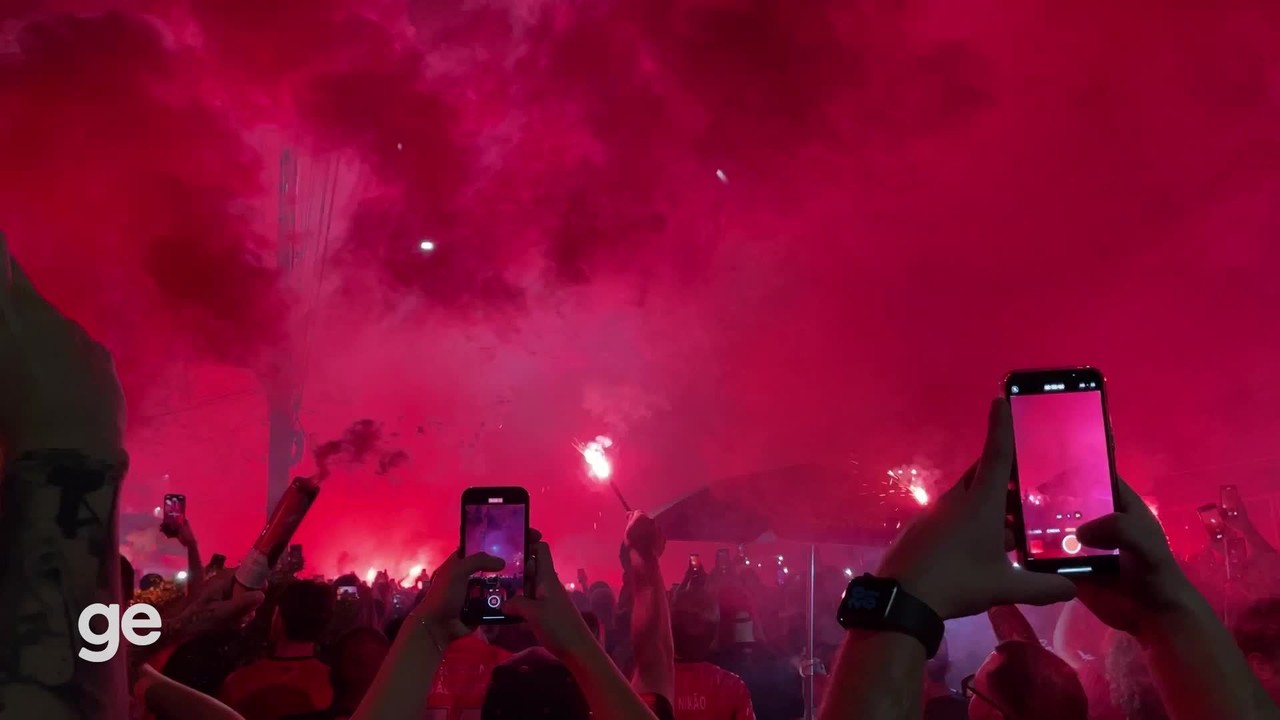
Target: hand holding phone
[(495, 521), (1211, 518)]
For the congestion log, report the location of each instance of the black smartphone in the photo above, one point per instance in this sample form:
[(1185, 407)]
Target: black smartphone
[(175, 513), (1229, 500), (495, 521), (1064, 467), (1212, 521), (722, 560)]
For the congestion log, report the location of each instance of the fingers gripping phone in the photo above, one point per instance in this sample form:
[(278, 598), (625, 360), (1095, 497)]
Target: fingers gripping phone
[(495, 521), (1064, 467), (175, 514)]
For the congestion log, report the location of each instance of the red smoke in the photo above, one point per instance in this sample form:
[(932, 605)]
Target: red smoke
[(918, 198)]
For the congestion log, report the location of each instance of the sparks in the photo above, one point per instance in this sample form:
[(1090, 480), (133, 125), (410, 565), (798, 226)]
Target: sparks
[(598, 465), (920, 494)]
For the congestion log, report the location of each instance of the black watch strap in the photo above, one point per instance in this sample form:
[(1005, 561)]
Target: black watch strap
[(894, 610)]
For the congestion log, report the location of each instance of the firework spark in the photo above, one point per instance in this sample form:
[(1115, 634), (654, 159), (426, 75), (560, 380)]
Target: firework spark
[(593, 453)]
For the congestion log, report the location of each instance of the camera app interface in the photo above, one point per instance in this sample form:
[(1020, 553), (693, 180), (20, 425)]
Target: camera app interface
[(497, 529), (1064, 474), (175, 506)]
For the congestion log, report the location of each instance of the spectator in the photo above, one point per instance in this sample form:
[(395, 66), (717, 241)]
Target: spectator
[(1021, 680), (290, 680), (1257, 632), (776, 687), (357, 656), (534, 685), (463, 678), (702, 690)]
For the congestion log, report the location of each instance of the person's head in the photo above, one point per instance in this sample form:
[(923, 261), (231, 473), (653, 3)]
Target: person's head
[(304, 610), (1131, 689), (126, 579), (1021, 680), (533, 685), (695, 619), (1257, 632), (357, 655)]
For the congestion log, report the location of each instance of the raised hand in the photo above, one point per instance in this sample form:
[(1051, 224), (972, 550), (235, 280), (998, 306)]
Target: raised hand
[(551, 613), (1149, 580), (953, 557), (440, 611)]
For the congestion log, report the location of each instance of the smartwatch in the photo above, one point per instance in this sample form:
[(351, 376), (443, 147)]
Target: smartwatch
[(873, 603)]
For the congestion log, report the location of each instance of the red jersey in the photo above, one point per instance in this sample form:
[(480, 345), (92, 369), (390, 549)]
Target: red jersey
[(463, 678), (708, 692)]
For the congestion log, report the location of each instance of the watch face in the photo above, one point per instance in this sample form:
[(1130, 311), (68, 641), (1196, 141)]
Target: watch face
[(866, 601)]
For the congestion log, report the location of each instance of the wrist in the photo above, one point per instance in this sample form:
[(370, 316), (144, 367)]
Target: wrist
[(1180, 606)]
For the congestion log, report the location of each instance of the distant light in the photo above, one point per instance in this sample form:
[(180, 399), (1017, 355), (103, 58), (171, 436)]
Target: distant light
[(746, 561), (158, 512), (416, 570), (399, 146), (785, 571), (848, 572), (722, 177), (426, 246), (1015, 564), (913, 471), (779, 558), (573, 586), (369, 576), (920, 494), (182, 574)]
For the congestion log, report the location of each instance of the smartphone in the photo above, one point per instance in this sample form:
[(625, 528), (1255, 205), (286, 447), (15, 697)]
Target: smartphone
[(496, 521), (1229, 500), (1064, 467), (1212, 521), (350, 592), (722, 560), (695, 561), (175, 513)]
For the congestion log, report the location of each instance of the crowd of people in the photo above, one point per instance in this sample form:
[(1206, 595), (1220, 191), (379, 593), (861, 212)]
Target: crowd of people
[(1141, 643)]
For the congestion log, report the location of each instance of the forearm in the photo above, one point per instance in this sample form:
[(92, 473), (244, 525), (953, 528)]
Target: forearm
[(607, 692), (404, 682), (1198, 668), (195, 570), (651, 641), (1009, 623), (878, 676), (58, 555), (168, 700)]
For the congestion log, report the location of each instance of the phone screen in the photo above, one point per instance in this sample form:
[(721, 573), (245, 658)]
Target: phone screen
[(175, 509), (1229, 500), (497, 526), (1212, 521), (1063, 462), (350, 591)]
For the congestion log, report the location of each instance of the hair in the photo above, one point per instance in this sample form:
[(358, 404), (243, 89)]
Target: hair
[(338, 651), (695, 621), (127, 585), (1033, 682), (1257, 630), (532, 685), (306, 607)]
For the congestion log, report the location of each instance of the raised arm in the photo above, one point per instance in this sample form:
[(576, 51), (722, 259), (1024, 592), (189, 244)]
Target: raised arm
[(1009, 623), (1196, 665), (195, 568), (952, 559), (651, 640), (62, 429)]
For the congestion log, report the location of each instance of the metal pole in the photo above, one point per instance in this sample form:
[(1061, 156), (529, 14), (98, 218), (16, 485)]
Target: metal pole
[(810, 701), (281, 393)]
